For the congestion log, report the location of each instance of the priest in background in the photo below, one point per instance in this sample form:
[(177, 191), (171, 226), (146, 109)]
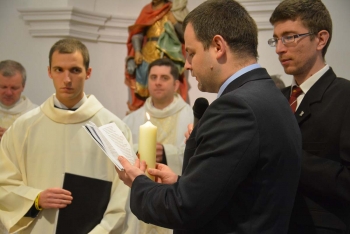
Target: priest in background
[(171, 114), (12, 103)]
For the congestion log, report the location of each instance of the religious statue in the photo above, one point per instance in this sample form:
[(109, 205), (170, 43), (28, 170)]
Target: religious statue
[(156, 33)]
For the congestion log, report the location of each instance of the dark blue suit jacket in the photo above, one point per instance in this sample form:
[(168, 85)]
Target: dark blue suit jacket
[(323, 197), (241, 167)]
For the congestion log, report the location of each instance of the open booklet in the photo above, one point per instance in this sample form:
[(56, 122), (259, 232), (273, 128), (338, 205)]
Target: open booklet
[(112, 141)]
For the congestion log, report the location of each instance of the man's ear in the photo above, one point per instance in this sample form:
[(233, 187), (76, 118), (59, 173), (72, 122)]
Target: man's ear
[(49, 72), (88, 73), (176, 85), (219, 45), (323, 37)]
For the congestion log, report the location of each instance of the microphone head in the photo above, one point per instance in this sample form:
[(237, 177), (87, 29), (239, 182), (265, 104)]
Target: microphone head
[(199, 107)]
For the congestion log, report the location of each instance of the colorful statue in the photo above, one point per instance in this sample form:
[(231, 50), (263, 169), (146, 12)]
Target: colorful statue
[(156, 33)]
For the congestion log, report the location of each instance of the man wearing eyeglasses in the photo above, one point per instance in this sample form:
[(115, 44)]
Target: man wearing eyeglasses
[(302, 34)]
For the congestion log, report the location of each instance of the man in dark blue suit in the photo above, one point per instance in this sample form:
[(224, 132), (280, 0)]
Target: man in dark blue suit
[(302, 34), (242, 160)]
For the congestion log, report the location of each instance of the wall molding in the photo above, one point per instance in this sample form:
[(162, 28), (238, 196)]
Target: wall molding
[(100, 27), (261, 12)]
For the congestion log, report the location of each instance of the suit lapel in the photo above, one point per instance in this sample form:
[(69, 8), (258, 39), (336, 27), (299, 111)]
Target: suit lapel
[(314, 95)]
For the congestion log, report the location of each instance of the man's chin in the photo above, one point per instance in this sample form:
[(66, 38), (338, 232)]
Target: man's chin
[(64, 97), (289, 71), (8, 103), (201, 88)]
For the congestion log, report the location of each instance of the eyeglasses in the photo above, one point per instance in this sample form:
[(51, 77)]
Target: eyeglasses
[(286, 39)]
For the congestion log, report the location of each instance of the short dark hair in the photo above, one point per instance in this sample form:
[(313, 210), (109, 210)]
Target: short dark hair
[(312, 13), (228, 19), (174, 71), (69, 46), (8, 68)]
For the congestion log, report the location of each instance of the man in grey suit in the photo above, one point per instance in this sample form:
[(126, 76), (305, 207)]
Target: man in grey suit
[(242, 159), (302, 34)]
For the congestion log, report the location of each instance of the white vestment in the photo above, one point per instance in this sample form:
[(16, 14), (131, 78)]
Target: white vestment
[(171, 123), (39, 148), (8, 116)]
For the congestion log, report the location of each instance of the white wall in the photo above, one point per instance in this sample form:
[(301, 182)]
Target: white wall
[(107, 59)]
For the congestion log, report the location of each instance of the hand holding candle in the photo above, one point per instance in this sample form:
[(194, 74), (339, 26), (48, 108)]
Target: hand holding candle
[(147, 144)]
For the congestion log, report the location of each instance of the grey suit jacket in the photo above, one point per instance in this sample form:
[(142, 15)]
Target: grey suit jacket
[(241, 166)]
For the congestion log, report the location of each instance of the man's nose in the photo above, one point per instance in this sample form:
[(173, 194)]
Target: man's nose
[(280, 47), (67, 78), (8, 92), (187, 65), (158, 81)]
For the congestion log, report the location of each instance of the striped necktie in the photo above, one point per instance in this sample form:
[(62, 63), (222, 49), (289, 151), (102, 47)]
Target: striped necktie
[(296, 91)]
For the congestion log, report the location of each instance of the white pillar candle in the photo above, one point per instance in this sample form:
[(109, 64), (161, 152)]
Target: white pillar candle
[(147, 145)]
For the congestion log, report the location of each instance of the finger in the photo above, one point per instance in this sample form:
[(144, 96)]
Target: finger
[(54, 203), (125, 163), (58, 191), (143, 166), (59, 197), (158, 179), (65, 192), (67, 198), (59, 201), (155, 172), (53, 197), (137, 163)]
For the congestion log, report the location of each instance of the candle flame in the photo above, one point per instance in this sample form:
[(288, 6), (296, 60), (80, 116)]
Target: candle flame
[(147, 115)]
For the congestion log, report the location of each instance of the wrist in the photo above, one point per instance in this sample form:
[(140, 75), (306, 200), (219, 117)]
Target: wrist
[(36, 203)]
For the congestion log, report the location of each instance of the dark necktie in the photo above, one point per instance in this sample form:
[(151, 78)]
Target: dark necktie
[(296, 91)]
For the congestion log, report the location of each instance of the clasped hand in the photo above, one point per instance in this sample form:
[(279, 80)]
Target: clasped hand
[(55, 198), (163, 174)]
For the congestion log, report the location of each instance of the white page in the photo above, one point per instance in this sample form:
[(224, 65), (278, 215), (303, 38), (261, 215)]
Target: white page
[(117, 144), (92, 129), (112, 141)]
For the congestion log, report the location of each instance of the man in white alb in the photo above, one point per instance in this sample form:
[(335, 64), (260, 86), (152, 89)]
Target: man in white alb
[(170, 113), (49, 141), (12, 103)]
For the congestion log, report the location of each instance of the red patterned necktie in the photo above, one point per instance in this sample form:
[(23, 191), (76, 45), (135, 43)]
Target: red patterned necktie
[(296, 91)]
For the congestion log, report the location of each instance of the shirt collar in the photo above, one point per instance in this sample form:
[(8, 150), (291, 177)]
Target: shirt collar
[(307, 84), (236, 75)]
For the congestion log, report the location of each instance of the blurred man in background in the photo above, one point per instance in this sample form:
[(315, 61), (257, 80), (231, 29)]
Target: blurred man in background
[(12, 103), (171, 114)]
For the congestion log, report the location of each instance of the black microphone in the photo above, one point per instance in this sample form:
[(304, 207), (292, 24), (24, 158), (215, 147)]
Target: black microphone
[(199, 107)]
